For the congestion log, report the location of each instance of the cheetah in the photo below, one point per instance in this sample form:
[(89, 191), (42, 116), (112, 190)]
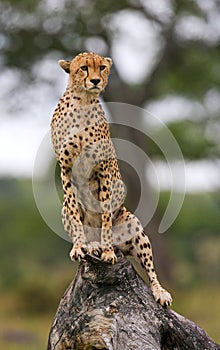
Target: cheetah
[(93, 213)]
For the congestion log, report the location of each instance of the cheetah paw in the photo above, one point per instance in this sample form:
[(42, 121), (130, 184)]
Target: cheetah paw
[(162, 296), (77, 252), (109, 256), (94, 248)]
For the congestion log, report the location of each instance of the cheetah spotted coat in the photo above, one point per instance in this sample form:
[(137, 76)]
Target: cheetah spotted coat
[(93, 213)]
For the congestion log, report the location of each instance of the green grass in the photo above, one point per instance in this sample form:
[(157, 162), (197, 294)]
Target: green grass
[(20, 331), (27, 311), (200, 305)]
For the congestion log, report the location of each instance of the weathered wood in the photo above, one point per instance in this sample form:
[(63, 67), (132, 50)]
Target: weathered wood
[(109, 307)]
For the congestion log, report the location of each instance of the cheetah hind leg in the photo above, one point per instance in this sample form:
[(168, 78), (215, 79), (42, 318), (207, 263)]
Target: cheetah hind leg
[(140, 248)]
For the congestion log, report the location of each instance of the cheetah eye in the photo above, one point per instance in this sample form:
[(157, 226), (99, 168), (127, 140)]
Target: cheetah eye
[(102, 67), (84, 68)]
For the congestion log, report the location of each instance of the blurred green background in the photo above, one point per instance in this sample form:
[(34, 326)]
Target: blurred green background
[(166, 59)]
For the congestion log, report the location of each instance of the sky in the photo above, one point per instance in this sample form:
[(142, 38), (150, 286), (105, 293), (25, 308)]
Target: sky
[(24, 124)]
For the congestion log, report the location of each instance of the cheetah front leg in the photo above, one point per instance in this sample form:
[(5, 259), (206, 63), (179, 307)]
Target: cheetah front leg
[(70, 212), (72, 222), (108, 253)]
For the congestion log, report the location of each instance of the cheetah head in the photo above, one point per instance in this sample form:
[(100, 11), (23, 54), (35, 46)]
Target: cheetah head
[(88, 72)]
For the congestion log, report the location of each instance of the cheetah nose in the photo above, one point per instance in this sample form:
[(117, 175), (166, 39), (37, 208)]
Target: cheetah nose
[(95, 81)]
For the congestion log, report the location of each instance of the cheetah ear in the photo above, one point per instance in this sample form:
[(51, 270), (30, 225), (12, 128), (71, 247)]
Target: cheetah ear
[(65, 65), (109, 60)]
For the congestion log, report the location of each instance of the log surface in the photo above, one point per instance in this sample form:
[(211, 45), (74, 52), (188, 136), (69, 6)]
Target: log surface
[(109, 307)]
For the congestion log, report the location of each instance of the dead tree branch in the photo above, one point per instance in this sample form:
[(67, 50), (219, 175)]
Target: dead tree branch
[(109, 307)]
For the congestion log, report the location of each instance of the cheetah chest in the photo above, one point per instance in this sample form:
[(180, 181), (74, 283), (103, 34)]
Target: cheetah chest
[(94, 166)]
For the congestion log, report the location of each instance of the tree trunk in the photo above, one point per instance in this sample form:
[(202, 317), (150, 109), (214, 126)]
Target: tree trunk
[(109, 307)]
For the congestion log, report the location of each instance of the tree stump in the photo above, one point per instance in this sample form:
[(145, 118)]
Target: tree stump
[(109, 307)]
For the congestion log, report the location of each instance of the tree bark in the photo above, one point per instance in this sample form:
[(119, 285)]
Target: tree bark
[(109, 307)]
